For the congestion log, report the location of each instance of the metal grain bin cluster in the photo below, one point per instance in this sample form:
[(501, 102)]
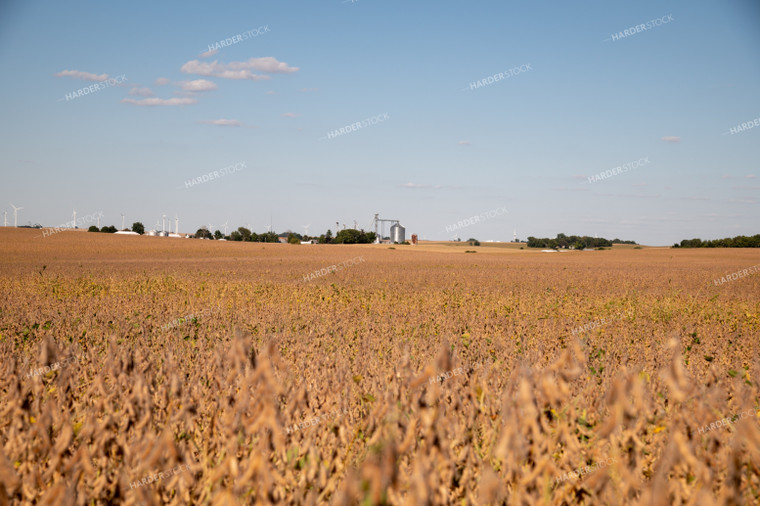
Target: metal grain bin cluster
[(398, 233)]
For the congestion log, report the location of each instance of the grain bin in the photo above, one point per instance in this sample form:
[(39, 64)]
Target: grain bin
[(397, 233)]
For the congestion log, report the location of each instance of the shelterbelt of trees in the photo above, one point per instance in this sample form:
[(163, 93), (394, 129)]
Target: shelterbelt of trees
[(740, 241), (574, 241), (345, 236)]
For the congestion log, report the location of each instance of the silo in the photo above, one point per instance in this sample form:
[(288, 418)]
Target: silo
[(397, 233)]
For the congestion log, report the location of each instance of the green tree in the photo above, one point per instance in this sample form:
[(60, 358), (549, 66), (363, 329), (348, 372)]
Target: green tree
[(244, 233), (534, 242), (348, 236), (269, 237), (740, 241), (353, 236), (138, 227), (326, 238), (203, 233), (93, 228)]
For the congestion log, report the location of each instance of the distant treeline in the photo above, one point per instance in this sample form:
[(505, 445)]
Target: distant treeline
[(740, 241), (574, 241), (348, 236), (241, 234), (345, 236)]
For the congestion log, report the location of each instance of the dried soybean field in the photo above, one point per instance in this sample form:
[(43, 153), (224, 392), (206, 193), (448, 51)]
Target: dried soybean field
[(142, 370)]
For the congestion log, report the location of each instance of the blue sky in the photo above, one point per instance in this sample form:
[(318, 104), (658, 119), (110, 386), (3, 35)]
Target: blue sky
[(446, 152)]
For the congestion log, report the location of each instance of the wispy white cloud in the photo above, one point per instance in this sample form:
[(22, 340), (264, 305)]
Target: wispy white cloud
[(85, 76), (239, 69), (289, 115), (464, 143), (198, 85), (572, 189), (141, 92), (642, 220), (671, 139), (415, 185), (222, 122), (630, 195), (150, 102), (308, 90), (718, 215), (162, 81), (418, 186)]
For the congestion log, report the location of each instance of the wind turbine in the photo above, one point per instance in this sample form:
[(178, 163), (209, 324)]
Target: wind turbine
[(74, 216), (306, 229), (163, 219), (225, 227), (5, 213), (15, 215), (122, 220), (176, 224), (98, 221)]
